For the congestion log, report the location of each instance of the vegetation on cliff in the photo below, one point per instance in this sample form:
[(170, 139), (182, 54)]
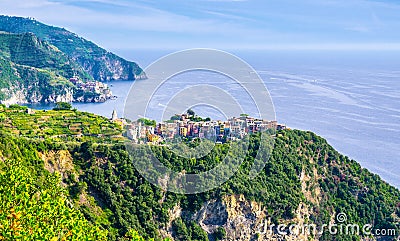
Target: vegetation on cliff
[(37, 62), (37, 69), (105, 187), (33, 205), (96, 61)]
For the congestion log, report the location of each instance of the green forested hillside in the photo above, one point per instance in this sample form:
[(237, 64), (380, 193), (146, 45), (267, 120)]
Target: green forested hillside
[(344, 185), (100, 64), (33, 205), (27, 50), (33, 66), (305, 180)]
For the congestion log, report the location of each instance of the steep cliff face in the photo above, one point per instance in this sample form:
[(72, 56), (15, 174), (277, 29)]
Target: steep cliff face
[(246, 220), (106, 66), (32, 70), (27, 96), (96, 61), (37, 60)]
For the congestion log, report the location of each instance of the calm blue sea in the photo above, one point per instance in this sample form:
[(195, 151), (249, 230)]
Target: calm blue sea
[(351, 99)]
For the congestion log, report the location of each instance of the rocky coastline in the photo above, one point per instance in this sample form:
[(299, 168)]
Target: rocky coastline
[(91, 92)]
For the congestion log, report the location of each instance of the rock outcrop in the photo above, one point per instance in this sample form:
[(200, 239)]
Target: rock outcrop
[(246, 220)]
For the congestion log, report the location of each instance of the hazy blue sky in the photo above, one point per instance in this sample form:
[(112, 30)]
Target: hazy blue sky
[(226, 24)]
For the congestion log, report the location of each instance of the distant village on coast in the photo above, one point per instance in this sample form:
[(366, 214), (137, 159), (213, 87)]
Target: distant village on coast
[(191, 126), (101, 90)]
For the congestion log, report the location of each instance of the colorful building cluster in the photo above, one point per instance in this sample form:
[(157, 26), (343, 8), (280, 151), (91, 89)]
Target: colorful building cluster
[(92, 86), (185, 126)]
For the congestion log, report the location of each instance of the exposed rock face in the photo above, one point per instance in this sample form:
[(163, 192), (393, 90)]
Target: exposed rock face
[(244, 220), (174, 213), (110, 67), (17, 96), (58, 161), (68, 96), (24, 96)]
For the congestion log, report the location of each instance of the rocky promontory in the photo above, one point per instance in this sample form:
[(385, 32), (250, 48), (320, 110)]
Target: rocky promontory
[(38, 62)]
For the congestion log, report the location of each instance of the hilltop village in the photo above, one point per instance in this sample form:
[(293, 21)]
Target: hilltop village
[(191, 126)]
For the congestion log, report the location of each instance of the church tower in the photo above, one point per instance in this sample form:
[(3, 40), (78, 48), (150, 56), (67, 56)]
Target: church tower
[(114, 115)]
